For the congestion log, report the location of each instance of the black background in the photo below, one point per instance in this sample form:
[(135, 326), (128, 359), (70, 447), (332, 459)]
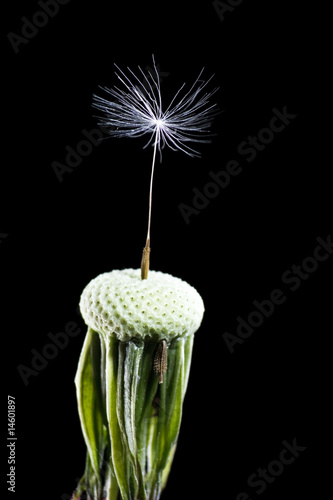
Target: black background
[(57, 236)]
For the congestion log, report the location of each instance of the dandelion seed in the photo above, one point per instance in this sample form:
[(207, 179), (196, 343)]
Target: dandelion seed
[(161, 360), (136, 110)]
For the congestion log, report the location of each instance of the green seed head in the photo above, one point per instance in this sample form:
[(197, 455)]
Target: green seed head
[(122, 305)]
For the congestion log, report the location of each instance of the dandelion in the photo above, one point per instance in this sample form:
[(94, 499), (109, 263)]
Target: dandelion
[(134, 366), (136, 110)]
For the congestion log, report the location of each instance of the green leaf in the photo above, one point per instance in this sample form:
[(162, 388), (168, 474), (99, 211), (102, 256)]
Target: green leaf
[(130, 355), (138, 417), (118, 448), (90, 403)]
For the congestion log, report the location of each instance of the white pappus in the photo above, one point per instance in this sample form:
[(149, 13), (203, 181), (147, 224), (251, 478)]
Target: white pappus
[(136, 110)]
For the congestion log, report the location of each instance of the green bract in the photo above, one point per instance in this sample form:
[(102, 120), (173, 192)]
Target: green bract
[(129, 420)]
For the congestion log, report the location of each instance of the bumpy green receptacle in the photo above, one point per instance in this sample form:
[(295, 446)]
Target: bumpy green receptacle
[(130, 422)]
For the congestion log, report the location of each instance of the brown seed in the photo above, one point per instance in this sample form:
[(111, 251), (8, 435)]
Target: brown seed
[(145, 261), (161, 360)]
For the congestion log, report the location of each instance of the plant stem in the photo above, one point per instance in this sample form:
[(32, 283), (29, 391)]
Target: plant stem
[(151, 188)]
